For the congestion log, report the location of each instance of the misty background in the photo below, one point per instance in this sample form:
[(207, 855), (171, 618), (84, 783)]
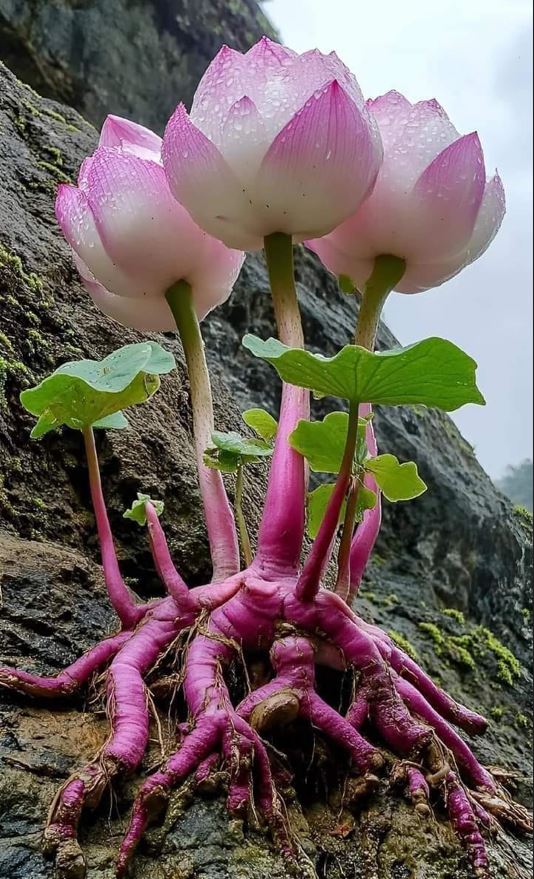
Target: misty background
[(476, 59)]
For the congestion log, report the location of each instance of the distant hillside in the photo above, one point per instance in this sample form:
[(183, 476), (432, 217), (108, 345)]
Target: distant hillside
[(517, 483)]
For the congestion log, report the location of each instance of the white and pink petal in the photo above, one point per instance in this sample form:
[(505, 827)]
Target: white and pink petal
[(446, 199), (202, 181), (320, 166), (144, 230), (77, 223), (131, 138)]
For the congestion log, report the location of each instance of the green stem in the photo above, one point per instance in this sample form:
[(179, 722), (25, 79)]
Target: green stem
[(218, 512), (343, 558), (310, 579), (240, 516), (387, 272), (279, 256)]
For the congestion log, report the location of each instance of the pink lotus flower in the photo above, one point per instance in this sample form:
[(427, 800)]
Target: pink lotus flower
[(275, 142), (132, 240), (431, 205)]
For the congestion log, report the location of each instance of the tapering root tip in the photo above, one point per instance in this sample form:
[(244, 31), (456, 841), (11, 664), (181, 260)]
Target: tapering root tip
[(70, 862)]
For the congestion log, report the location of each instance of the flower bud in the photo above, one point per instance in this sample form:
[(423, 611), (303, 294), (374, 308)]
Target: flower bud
[(275, 142), (431, 206), (132, 240)]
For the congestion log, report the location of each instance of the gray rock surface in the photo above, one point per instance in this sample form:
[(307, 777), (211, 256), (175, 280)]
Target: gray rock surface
[(461, 546), (135, 58)]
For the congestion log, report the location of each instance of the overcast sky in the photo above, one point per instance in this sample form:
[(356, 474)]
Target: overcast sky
[(476, 58)]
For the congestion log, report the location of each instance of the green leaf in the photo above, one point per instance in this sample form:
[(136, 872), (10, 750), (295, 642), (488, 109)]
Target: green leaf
[(137, 511), (322, 443), (433, 372), (366, 500), (262, 423), (117, 421), (226, 462), (86, 392), (231, 450), (398, 482), (317, 504), (240, 445)]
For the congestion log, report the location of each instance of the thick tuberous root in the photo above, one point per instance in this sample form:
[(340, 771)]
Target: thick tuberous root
[(398, 716), (84, 789), (219, 743)]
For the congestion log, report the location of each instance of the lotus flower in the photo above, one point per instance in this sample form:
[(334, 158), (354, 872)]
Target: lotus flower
[(431, 205), (275, 142), (132, 240)]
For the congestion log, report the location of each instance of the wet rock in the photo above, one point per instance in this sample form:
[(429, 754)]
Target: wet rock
[(114, 56)]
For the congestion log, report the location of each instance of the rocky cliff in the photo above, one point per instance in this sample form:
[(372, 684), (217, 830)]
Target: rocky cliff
[(119, 56), (450, 574)]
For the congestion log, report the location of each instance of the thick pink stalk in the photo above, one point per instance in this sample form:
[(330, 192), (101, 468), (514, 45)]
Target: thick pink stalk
[(173, 582), (310, 578), (218, 513), (68, 681), (283, 522), (120, 596)]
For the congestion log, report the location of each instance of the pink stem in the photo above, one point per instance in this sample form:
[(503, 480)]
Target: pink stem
[(283, 521), (71, 678), (174, 584), (282, 526), (310, 578), (119, 594)]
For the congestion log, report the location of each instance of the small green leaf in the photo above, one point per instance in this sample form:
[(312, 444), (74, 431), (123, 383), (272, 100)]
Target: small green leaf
[(226, 462), (137, 511), (398, 482), (117, 421), (231, 450), (322, 443), (86, 392), (366, 500), (262, 423), (240, 445), (317, 504), (433, 372)]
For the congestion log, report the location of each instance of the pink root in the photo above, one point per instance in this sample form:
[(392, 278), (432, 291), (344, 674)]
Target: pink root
[(71, 679), (128, 739), (465, 759), (450, 710), (416, 786), (464, 821), (386, 709), (292, 693), (217, 730)]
